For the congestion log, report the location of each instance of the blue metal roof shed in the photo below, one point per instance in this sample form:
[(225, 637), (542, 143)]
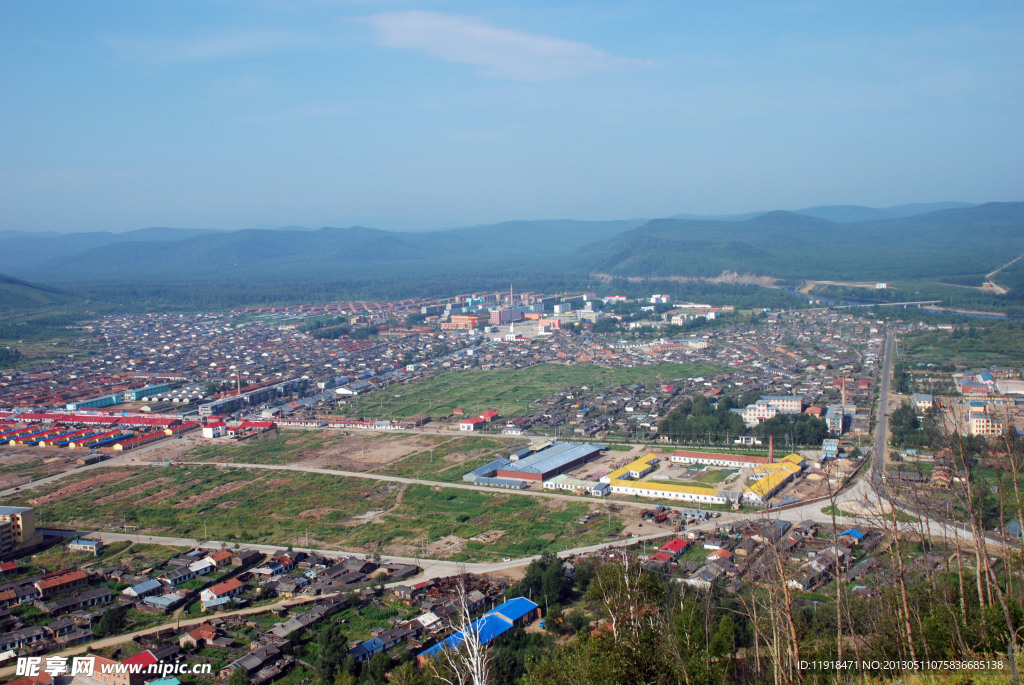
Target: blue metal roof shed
[(498, 620)]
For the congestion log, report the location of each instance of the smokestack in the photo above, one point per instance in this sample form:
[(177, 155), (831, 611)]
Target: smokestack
[(844, 391), (771, 449)]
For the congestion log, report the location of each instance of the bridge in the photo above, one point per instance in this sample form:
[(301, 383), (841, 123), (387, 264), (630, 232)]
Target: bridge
[(916, 303)]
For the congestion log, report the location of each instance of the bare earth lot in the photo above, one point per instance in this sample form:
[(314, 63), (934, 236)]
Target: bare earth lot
[(367, 452)]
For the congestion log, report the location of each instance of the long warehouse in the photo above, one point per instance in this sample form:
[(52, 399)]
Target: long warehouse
[(549, 462)]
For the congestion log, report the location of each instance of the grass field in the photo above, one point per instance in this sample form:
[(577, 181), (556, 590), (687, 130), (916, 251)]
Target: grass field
[(282, 508), (715, 476), (284, 448), (507, 391), (901, 516), (59, 556)]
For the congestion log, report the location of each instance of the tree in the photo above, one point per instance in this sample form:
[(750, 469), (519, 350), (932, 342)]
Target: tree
[(468, 662), (113, 622), (239, 677), (332, 645)]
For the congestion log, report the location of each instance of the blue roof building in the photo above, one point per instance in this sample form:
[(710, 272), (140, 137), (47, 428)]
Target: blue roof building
[(366, 649), (144, 588), (498, 620)]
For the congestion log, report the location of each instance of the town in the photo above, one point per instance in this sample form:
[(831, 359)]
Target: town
[(749, 448)]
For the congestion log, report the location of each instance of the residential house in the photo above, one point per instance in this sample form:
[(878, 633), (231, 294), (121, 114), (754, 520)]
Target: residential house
[(54, 584), (366, 649), (146, 587), (198, 637)]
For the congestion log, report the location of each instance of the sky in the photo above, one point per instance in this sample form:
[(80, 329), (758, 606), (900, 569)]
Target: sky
[(413, 115)]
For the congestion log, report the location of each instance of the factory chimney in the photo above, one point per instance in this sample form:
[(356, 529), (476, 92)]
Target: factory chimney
[(771, 449)]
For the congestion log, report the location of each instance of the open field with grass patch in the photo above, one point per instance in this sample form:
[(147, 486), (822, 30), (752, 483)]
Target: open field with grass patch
[(449, 458), (431, 457), (403, 454), (283, 508), (60, 557), (285, 447), (901, 516), (23, 463), (507, 391)]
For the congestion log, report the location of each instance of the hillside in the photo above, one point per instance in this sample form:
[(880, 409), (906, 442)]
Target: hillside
[(951, 244), (19, 297), (287, 255), (22, 251)]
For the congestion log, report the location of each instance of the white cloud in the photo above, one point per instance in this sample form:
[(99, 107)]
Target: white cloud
[(226, 44), (497, 52)]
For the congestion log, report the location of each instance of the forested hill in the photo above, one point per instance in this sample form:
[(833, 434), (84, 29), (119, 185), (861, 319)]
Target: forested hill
[(275, 256), (19, 296), (201, 268), (946, 245)]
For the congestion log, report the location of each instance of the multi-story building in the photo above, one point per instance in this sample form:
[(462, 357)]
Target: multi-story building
[(785, 404), (461, 322), (18, 529), (505, 315), (922, 401), (980, 423)]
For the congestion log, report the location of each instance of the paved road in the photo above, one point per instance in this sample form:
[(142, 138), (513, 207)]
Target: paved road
[(401, 479), (432, 568), (882, 419)]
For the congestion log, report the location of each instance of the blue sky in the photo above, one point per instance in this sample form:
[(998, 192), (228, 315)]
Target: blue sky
[(223, 114)]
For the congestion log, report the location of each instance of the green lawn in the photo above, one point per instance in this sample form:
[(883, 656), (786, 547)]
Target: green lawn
[(508, 391), (285, 447), (901, 516), (695, 552), (715, 475)]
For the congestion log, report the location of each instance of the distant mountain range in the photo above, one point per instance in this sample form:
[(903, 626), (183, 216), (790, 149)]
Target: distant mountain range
[(934, 242), (842, 214)]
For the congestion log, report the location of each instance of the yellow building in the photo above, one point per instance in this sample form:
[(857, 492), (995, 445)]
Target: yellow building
[(18, 529)]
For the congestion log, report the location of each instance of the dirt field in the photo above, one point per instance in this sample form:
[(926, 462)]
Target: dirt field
[(170, 449), (167, 494), (21, 464), (82, 486), (213, 493), (134, 490), (367, 452), (445, 547)]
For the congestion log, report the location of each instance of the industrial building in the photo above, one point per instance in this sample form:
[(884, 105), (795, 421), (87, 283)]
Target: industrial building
[(537, 463), (146, 392), (730, 461), (226, 405), (95, 402), (540, 465), (623, 481), (564, 482)]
